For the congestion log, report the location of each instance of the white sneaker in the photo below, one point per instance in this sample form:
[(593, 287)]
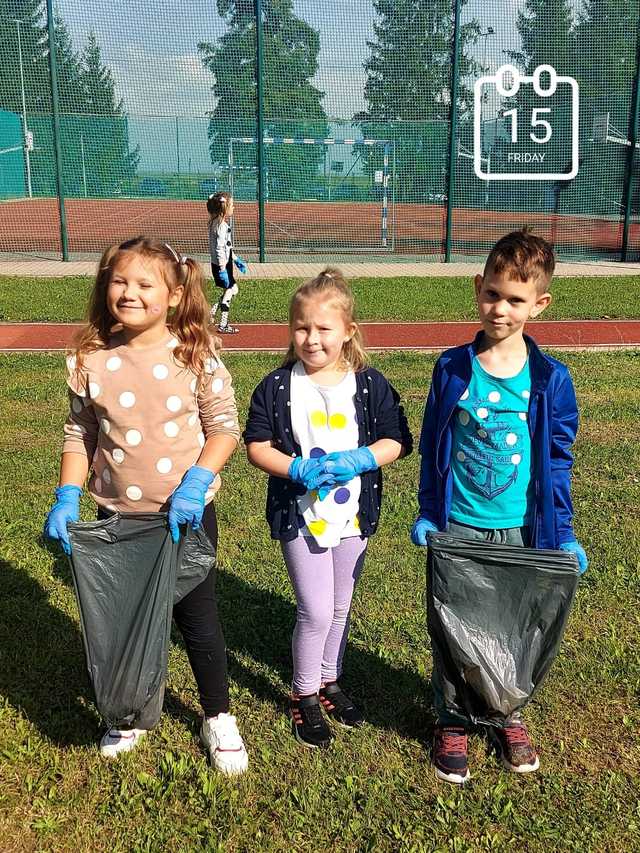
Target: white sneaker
[(116, 741), (221, 737)]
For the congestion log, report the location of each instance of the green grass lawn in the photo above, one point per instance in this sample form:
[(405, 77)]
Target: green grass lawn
[(374, 790), (411, 299)]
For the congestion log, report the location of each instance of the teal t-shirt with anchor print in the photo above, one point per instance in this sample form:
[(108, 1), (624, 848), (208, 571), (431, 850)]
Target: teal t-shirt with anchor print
[(491, 458)]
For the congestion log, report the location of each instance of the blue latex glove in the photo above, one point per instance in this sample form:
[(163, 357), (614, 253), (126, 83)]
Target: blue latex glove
[(224, 278), (420, 530), (311, 474), (576, 548), (186, 504), (240, 264), (347, 464), (65, 509)]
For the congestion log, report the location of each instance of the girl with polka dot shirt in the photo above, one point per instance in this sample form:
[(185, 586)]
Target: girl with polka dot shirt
[(153, 420), (321, 426)]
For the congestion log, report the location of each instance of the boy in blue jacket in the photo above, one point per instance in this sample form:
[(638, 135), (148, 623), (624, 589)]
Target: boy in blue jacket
[(496, 439)]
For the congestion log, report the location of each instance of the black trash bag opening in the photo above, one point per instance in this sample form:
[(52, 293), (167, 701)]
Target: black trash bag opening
[(127, 575), (496, 615)]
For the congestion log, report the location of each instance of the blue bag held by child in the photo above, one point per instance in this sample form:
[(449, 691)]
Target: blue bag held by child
[(128, 573), (496, 616)]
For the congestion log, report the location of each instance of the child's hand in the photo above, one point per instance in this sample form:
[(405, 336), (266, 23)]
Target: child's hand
[(65, 509), (347, 464), (186, 504), (224, 278), (576, 548), (421, 528), (240, 264), (311, 473)]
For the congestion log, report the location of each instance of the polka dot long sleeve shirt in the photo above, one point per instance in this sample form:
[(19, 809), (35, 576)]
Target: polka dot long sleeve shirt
[(142, 419)]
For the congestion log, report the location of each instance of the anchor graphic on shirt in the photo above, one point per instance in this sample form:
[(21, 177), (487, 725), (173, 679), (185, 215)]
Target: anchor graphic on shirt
[(478, 461), (490, 488)]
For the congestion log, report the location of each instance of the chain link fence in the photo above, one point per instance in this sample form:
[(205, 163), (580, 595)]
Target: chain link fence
[(387, 132)]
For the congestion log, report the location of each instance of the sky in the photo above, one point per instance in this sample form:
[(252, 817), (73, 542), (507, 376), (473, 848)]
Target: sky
[(151, 48)]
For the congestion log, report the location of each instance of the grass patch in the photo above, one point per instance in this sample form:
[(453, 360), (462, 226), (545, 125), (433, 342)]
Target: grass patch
[(374, 790), (409, 299)]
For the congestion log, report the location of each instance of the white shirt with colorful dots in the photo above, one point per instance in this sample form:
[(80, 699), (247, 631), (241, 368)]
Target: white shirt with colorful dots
[(323, 419), (142, 419)]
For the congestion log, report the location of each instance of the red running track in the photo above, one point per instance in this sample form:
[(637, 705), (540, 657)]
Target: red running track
[(569, 334)]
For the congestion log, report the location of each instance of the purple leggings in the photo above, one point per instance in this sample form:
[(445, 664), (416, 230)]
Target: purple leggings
[(323, 580)]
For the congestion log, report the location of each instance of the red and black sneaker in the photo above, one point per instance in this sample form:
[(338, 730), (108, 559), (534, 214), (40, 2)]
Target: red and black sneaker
[(308, 725), (518, 753), (450, 754), (337, 705)]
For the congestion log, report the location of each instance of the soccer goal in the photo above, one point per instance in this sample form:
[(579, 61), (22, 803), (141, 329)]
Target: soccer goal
[(322, 194)]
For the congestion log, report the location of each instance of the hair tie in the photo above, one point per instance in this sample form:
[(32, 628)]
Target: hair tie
[(179, 259)]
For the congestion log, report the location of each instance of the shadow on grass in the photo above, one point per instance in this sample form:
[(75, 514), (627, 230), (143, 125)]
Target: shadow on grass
[(43, 670), (259, 623), (42, 664)]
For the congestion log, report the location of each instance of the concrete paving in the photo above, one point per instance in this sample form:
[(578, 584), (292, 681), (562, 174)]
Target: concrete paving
[(375, 269)]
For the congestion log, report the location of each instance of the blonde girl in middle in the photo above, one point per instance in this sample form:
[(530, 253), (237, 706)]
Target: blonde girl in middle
[(321, 426)]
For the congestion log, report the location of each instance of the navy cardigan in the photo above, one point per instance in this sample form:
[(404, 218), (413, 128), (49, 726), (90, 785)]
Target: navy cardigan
[(553, 424), (379, 415)]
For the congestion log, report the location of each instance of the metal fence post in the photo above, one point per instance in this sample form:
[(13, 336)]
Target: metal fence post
[(260, 127), (631, 153), (55, 110), (453, 131)]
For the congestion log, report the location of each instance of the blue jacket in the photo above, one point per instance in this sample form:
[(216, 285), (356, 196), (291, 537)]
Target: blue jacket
[(380, 415), (553, 424)]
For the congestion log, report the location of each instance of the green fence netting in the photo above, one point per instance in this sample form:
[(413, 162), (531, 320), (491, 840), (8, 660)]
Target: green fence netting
[(364, 154)]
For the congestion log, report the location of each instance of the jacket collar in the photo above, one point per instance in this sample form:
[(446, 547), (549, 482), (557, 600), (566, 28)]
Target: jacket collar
[(541, 366)]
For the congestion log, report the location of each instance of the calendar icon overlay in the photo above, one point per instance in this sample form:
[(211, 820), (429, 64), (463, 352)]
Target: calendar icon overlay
[(546, 121)]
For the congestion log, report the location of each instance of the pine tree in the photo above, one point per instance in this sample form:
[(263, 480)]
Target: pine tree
[(68, 69), (105, 147), (407, 86), (292, 105), (32, 31)]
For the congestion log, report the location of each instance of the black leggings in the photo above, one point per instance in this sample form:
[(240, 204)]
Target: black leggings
[(196, 616)]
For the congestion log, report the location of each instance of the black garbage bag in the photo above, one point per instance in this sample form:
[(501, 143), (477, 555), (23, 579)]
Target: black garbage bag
[(128, 573), (496, 615)]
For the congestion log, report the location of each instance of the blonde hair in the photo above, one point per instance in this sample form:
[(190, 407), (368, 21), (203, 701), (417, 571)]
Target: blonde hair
[(217, 206), (188, 321), (331, 285)]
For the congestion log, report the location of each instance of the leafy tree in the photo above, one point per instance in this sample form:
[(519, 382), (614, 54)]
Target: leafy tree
[(408, 88), (292, 105), (607, 37), (547, 33)]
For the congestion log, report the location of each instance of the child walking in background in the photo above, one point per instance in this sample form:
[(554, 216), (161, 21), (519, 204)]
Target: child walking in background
[(220, 209), (321, 426), (153, 418), (499, 423)]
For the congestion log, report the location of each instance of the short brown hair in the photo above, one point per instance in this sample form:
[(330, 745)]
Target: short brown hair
[(522, 254)]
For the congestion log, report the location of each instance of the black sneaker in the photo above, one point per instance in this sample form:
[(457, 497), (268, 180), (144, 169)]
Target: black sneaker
[(338, 705), (307, 723), (450, 754), (228, 330)]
